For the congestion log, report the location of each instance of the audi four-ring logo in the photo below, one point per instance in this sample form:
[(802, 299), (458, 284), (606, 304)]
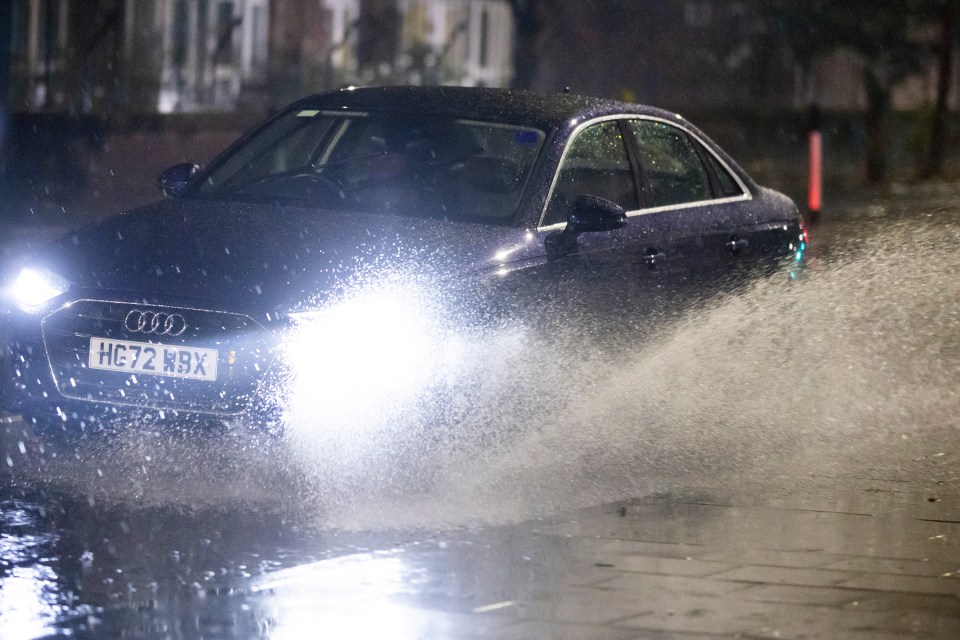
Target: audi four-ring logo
[(157, 323)]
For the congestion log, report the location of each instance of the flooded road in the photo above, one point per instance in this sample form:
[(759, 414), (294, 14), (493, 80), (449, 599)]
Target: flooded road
[(782, 462)]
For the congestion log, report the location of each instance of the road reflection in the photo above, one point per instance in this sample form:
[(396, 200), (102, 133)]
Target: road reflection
[(70, 566), (31, 599), (351, 596)]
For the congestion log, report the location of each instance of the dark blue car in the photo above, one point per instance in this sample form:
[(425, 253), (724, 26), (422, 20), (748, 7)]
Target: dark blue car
[(355, 236)]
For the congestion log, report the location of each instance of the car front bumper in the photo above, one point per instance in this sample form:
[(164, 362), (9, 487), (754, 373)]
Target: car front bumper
[(46, 361)]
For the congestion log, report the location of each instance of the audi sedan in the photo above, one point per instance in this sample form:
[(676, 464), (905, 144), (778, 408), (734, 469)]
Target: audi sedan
[(361, 238)]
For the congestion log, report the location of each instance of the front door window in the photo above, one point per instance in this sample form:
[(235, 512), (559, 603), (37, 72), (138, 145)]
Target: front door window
[(596, 164)]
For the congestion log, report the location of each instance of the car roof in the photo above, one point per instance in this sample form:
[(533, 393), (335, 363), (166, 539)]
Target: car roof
[(542, 109)]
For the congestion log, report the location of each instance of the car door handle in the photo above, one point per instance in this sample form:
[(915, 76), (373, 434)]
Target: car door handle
[(653, 257), (736, 245)]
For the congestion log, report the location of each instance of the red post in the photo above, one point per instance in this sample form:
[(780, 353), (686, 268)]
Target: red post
[(815, 148)]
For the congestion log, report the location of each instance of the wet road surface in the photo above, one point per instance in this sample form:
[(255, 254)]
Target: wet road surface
[(782, 465), (864, 554)]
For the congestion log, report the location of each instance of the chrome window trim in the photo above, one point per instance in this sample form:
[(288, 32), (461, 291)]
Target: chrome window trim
[(746, 195), (690, 205)]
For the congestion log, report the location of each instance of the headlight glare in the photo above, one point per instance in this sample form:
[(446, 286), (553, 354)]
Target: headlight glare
[(34, 287), (355, 360)]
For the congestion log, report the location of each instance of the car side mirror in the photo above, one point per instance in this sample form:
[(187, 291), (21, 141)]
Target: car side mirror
[(176, 178), (587, 213), (591, 213)]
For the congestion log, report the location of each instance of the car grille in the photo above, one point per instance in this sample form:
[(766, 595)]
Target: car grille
[(243, 348)]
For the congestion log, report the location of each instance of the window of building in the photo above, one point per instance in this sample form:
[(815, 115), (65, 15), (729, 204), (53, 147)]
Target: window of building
[(21, 27), (484, 38), (181, 26), (260, 37), (202, 39), (225, 27)]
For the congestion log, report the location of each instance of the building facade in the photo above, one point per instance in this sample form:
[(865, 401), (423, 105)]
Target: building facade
[(173, 56)]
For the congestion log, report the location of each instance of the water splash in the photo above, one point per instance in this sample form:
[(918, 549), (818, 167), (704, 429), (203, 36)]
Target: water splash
[(759, 388), (762, 388)]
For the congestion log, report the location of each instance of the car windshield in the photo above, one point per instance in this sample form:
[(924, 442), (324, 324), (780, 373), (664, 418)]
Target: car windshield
[(392, 163)]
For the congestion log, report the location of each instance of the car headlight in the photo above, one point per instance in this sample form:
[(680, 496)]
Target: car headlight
[(359, 359), (35, 287)]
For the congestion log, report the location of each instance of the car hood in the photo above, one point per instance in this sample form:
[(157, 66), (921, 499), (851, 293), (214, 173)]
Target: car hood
[(238, 254)]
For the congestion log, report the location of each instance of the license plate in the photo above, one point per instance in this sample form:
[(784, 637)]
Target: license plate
[(153, 359)]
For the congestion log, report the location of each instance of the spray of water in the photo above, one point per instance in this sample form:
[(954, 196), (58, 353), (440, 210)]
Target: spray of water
[(775, 383), (757, 389)]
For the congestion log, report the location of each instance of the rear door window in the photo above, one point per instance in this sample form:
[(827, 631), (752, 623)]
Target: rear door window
[(672, 167)]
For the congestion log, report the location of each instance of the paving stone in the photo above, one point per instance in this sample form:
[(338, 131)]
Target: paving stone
[(785, 575), (814, 596), (669, 566), (947, 606), (585, 606), (905, 584), (657, 549), (644, 584), (896, 566), (528, 629), (718, 616), (796, 621), (743, 555)]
